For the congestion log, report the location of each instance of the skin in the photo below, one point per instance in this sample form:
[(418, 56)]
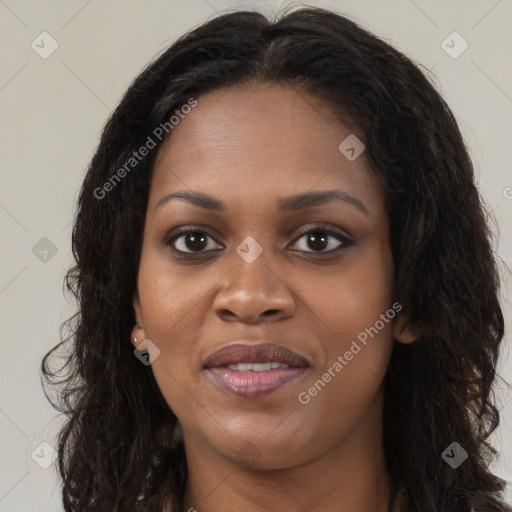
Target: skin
[(249, 147)]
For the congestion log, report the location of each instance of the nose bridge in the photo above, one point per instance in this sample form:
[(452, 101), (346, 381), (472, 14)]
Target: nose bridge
[(252, 287), (252, 272)]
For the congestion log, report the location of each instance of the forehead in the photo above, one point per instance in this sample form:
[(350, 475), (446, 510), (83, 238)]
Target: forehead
[(263, 141)]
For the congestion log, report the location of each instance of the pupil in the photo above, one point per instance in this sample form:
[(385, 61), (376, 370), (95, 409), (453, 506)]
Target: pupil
[(319, 239), (194, 238), (197, 241)]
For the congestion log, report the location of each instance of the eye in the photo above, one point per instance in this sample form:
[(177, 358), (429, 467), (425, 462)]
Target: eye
[(192, 241), (322, 240), (319, 239)]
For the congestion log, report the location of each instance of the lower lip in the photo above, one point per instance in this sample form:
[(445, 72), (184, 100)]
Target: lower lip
[(250, 384)]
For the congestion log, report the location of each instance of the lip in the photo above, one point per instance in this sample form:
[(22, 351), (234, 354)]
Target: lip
[(247, 352), (254, 383)]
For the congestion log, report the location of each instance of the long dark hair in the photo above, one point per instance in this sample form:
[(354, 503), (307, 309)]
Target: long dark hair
[(118, 449)]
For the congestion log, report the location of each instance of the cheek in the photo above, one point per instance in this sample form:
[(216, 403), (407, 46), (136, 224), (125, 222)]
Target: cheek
[(173, 312), (358, 329), (353, 297), (171, 297), (172, 309)]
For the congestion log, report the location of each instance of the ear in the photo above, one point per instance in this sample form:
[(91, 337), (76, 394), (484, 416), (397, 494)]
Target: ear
[(138, 330), (402, 330)]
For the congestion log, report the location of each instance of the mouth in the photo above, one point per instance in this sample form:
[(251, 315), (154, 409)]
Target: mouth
[(254, 370)]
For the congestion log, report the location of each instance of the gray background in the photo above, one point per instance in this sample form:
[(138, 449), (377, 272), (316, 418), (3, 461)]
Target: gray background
[(53, 110)]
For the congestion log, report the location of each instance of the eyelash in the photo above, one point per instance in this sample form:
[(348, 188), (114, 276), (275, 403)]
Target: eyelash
[(181, 232)]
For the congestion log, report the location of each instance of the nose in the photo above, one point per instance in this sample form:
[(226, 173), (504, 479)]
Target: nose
[(253, 293)]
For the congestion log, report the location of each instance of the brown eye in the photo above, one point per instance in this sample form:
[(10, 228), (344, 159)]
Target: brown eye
[(192, 241), (322, 240)]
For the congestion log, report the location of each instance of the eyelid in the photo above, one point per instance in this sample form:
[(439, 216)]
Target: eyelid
[(328, 228)]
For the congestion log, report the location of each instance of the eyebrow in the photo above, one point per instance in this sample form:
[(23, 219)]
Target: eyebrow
[(287, 204)]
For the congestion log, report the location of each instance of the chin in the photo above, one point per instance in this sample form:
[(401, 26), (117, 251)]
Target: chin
[(262, 452)]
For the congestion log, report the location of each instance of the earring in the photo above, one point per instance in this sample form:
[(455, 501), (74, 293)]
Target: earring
[(134, 340)]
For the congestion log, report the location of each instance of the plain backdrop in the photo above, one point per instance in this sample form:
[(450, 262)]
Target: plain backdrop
[(53, 107)]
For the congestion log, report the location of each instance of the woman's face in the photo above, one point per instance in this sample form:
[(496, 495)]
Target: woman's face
[(266, 262)]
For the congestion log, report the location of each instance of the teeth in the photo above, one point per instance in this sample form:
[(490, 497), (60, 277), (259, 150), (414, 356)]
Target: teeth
[(243, 367), (261, 367), (257, 367)]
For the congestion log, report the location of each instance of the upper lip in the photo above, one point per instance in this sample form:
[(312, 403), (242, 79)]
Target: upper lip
[(240, 352)]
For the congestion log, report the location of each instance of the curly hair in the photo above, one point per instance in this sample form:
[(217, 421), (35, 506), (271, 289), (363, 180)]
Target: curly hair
[(119, 448)]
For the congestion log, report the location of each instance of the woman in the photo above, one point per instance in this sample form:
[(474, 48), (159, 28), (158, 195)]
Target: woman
[(281, 216)]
